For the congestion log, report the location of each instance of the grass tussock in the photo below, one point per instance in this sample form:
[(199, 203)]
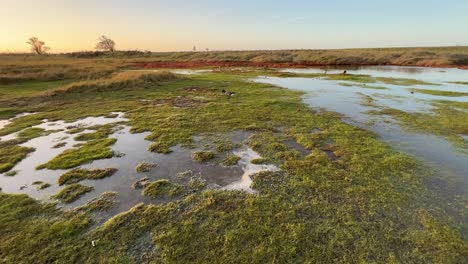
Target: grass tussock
[(77, 175), (231, 160), (72, 192), (145, 167), (440, 93), (259, 161), (41, 185), (161, 188), (10, 155), (203, 156), (158, 147), (101, 132), (92, 150), (104, 202)]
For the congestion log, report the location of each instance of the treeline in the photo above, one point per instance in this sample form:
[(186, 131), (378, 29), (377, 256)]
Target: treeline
[(96, 54)]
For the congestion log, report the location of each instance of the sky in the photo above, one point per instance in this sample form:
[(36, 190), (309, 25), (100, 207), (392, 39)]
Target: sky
[(176, 25)]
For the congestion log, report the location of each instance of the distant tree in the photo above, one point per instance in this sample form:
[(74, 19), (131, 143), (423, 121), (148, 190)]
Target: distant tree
[(105, 43), (38, 46)]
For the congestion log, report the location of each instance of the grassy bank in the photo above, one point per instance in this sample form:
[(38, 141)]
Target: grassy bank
[(443, 56), (367, 204), (76, 66)]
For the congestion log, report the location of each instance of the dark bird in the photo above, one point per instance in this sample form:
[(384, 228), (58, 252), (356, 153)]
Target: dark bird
[(228, 93)]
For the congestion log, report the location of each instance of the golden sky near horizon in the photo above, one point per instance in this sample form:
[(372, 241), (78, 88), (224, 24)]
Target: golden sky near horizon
[(157, 25)]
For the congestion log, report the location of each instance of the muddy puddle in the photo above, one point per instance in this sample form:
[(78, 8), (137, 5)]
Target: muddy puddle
[(132, 149), (354, 103)]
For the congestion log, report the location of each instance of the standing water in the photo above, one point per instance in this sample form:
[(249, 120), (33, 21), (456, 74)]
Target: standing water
[(438, 153)]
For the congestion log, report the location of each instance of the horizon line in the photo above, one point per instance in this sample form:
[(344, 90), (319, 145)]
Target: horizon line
[(236, 50)]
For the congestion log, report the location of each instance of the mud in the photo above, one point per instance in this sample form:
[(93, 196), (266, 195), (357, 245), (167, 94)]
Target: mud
[(224, 64)]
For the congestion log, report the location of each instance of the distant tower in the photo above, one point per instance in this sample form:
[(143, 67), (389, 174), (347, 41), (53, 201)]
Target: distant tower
[(194, 48)]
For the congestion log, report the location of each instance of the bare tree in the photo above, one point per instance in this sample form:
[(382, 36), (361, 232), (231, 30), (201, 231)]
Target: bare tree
[(105, 43), (38, 46)]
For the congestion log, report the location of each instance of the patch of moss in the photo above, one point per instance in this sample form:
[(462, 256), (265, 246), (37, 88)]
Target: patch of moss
[(158, 147), (30, 133), (196, 182), (145, 167), (440, 93), (366, 86), (77, 175), (72, 192), (263, 180), (259, 161), (37, 232), (225, 146), (21, 123), (59, 145), (41, 185), (10, 155), (231, 160), (104, 202), (11, 173), (92, 150), (402, 81), (101, 132), (203, 156), (161, 188), (75, 129), (185, 174)]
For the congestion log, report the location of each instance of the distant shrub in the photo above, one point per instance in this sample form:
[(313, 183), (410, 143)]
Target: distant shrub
[(459, 59)]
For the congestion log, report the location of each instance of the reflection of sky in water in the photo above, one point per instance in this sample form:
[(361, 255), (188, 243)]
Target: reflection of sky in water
[(351, 103), (420, 73), (134, 147)]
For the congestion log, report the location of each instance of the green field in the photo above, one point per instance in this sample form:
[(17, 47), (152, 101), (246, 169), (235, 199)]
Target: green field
[(369, 205)]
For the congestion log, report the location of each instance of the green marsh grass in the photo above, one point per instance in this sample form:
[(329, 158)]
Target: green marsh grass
[(370, 205), (440, 93), (72, 193), (77, 175)]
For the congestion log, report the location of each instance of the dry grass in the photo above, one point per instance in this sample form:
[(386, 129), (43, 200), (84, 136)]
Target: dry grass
[(430, 56), (116, 80)]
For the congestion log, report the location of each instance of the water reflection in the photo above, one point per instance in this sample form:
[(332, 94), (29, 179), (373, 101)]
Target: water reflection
[(351, 103)]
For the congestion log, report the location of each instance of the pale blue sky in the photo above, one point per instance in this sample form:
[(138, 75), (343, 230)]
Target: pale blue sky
[(219, 25)]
